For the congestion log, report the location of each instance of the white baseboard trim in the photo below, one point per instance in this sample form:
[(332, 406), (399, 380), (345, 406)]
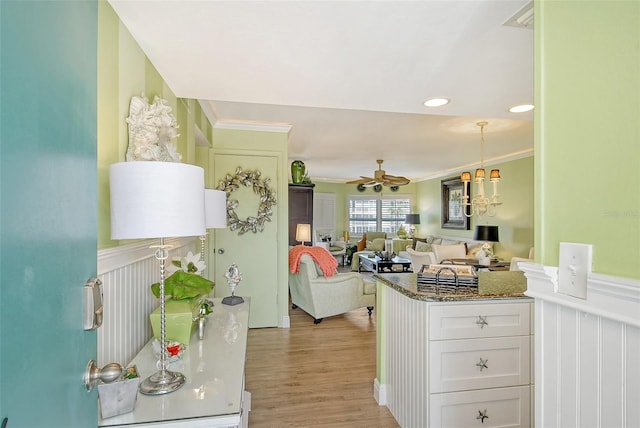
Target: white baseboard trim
[(380, 392), (286, 322)]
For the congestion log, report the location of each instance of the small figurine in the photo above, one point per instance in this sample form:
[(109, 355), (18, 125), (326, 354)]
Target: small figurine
[(234, 277)]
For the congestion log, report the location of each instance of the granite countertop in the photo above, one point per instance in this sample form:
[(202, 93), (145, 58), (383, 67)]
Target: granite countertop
[(407, 284)]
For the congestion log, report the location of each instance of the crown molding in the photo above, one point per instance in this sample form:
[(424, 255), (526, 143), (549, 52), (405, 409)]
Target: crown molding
[(253, 126)]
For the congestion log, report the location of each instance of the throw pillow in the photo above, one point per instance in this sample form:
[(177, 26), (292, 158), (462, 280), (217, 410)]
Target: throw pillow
[(375, 245), (423, 247), (473, 250), (449, 242), (414, 241), (442, 252)]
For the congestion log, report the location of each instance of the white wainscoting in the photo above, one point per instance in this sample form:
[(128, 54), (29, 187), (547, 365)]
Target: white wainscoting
[(407, 358), (587, 351), (127, 273)]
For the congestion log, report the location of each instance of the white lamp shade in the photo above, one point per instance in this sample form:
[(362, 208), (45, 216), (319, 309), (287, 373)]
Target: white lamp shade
[(303, 232), (156, 200), (215, 208)]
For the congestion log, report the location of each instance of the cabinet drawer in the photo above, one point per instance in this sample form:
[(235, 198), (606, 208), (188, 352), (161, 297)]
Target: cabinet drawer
[(502, 407), (458, 365), (479, 320)]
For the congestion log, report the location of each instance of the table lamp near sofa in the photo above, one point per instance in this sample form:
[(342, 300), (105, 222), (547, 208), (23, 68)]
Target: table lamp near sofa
[(487, 234), (303, 233), (157, 200), (412, 220)]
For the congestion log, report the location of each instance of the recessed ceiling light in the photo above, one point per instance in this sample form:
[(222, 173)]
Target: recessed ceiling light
[(521, 108), (436, 102)]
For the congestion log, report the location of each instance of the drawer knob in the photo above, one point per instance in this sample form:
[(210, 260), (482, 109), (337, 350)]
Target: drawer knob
[(482, 364), (482, 321), (482, 415)]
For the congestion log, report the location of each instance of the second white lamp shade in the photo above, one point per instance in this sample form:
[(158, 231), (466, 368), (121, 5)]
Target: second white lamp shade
[(215, 208)]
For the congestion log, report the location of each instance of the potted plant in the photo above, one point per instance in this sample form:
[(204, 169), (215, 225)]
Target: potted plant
[(185, 290)]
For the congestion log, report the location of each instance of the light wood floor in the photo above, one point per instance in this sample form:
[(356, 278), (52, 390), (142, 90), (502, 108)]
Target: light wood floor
[(315, 375)]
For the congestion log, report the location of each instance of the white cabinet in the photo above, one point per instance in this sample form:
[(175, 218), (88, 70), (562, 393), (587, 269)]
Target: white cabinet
[(456, 363), (502, 407), (480, 365), (213, 394)]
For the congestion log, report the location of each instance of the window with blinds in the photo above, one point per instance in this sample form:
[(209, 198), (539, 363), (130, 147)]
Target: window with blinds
[(386, 214)]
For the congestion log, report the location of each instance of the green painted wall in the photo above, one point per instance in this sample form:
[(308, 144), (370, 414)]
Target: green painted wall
[(514, 217), (587, 131), (124, 71)]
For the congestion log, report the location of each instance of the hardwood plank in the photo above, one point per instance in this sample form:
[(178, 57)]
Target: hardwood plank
[(315, 375)]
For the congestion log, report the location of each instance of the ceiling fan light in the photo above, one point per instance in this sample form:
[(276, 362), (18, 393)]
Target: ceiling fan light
[(522, 108), (436, 102)]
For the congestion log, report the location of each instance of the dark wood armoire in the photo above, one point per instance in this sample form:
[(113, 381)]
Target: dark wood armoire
[(300, 209)]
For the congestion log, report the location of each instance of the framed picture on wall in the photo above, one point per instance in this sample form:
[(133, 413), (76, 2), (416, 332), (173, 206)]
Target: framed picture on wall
[(453, 212)]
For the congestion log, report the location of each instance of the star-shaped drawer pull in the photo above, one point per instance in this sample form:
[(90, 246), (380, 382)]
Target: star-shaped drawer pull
[(482, 415), (482, 364), (482, 321)]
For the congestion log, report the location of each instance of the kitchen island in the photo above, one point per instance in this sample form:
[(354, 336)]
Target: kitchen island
[(453, 359)]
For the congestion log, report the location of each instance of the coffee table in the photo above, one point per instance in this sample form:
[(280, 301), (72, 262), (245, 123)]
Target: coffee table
[(377, 265)]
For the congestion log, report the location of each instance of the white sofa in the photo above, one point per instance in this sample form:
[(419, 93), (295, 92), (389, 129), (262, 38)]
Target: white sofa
[(321, 296), (434, 249)]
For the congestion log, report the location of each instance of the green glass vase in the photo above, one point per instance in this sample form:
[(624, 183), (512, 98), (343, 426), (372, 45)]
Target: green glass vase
[(298, 169)]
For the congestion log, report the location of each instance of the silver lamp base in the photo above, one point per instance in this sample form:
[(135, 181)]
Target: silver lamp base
[(162, 382)]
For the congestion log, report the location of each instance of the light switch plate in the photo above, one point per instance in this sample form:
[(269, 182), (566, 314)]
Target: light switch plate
[(574, 266)]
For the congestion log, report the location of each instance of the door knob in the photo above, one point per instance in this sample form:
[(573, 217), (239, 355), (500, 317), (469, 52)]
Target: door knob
[(107, 374), (220, 250)]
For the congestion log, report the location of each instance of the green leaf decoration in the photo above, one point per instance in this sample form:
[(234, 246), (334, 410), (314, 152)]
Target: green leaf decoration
[(183, 285)]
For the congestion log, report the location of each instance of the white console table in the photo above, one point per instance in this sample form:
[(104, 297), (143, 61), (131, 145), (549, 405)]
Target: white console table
[(213, 395)]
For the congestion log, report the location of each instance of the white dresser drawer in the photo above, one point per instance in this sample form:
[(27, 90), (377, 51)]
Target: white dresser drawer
[(460, 365), (479, 320), (502, 407)]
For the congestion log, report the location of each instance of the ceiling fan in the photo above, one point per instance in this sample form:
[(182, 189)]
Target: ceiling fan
[(381, 178)]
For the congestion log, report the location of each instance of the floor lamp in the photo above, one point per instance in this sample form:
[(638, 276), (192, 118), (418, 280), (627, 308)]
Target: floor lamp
[(157, 200)]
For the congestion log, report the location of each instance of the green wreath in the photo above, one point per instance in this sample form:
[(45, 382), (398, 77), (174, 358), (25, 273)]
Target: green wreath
[(260, 187)]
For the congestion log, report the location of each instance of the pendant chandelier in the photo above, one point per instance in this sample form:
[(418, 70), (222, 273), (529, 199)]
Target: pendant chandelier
[(480, 204)]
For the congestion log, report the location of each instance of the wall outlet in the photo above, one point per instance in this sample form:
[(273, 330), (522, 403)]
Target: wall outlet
[(574, 266)]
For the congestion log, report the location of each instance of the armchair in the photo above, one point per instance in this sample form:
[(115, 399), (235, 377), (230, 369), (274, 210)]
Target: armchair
[(321, 296), (337, 248), (369, 236)]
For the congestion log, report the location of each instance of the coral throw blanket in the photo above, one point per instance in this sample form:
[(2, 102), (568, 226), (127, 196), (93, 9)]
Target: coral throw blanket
[(325, 260)]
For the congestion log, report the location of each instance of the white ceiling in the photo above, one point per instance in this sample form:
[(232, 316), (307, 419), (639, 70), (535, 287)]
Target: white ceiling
[(350, 77)]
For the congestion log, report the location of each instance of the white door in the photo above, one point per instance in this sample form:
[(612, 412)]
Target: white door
[(255, 253)]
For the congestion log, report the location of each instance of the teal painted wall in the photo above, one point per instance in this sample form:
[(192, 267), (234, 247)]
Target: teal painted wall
[(587, 131), (514, 217)]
